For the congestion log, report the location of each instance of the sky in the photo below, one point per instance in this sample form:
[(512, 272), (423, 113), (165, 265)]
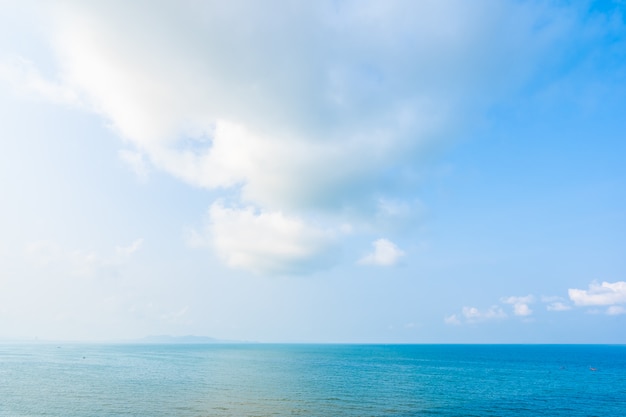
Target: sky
[(331, 172)]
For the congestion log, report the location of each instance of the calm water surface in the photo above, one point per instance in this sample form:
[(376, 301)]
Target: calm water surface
[(312, 380)]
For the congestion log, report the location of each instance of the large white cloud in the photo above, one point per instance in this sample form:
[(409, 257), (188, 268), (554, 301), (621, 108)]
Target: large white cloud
[(266, 94), (299, 107)]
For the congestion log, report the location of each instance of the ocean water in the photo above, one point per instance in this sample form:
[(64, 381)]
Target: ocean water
[(312, 380)]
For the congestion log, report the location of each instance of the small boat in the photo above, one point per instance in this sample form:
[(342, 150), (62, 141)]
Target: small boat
[(593, 369)]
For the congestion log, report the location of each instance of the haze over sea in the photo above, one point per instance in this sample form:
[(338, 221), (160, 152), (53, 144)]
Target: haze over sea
[(312, 380)]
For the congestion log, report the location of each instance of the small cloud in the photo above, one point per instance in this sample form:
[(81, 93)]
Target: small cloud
[(386, 253), (555, 303), (130, 249), (604, 294), (452, 319), (393, 208), (558, 306), (615, 310), (520, 304), (474, 315)]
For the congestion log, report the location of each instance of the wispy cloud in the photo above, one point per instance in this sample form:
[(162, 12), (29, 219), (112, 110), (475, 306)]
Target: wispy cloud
[(77, 261), (555, 303), (452, 319), (558, 306), (137, 162), (615, 310), (130, 249), (24, 77)]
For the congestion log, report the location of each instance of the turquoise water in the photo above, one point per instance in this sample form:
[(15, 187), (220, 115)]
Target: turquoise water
[(312, 380)]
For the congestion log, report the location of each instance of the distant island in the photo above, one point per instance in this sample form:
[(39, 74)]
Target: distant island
[(182, 340), (148, 340)]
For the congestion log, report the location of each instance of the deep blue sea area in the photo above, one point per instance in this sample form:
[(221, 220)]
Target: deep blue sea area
[(312, 380)]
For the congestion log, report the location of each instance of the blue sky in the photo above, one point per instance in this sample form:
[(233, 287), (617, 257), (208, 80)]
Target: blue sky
[(343, 171)]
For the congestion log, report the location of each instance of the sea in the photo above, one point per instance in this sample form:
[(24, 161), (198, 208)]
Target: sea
[(88, 380)]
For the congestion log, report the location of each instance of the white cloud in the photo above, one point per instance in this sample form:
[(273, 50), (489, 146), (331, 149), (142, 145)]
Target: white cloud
[(599, 294), (473, 315), (268, 242), (615, 310), (296, 107), (452, 319), (605, 294), (130, 249), (520, 304), (555, 303), (558, 306), (385, 253), (354, 98)]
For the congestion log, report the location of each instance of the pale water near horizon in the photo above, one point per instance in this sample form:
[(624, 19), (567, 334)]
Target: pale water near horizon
[(312, 380)]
